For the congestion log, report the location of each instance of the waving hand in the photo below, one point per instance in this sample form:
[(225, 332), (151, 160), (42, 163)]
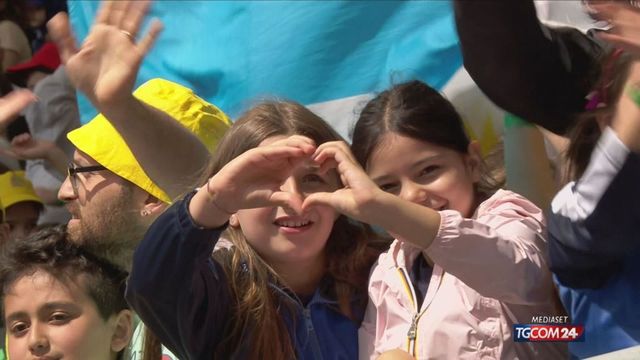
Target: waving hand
[(105, 67)]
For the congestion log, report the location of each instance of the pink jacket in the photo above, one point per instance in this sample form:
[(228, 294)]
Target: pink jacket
[(490, 272)]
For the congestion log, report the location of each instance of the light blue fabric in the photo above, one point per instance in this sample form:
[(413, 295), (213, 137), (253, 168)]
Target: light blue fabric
[(234, 53)]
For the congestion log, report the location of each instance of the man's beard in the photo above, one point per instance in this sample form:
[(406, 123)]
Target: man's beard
[(112, 232)]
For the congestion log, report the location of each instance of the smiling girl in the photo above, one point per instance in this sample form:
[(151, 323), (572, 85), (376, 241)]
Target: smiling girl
[(468, 262), (284, 283)]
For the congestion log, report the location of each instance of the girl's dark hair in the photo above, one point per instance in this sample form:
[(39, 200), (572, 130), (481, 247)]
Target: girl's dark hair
[(416, 110), (50, 250), (585, 133), (351, 249)]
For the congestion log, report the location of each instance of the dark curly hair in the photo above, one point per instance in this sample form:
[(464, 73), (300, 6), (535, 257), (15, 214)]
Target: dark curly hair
[(50, 250)]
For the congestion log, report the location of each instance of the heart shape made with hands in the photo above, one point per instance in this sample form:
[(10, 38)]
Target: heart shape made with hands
[(293, 173)]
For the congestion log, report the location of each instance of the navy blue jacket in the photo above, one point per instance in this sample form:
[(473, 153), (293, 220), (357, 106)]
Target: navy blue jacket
[(594, 244), (182, 295)]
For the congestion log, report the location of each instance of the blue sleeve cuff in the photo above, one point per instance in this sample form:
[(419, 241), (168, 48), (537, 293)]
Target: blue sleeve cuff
[(186, 220)]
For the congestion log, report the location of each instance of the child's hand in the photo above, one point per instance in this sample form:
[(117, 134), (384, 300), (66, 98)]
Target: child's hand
[(395, 354), (363, 200), (254, 178), (358, 193), (625, 22), (12, 104), (626, 122), (24, 147)]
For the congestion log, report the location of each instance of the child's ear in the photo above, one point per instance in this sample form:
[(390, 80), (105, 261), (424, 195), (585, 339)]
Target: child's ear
[(474, 160), (153, 206), (233, 221), (123, 330)]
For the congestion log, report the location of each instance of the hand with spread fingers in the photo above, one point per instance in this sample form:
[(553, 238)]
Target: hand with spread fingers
[(106, 65), (11, 105), (625, 24), (105, 68)]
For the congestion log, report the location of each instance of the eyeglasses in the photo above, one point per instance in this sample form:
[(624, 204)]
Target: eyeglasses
[(72, 170)]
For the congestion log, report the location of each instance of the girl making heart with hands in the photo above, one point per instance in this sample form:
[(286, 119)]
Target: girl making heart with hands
[(282, 283), (469, 259)]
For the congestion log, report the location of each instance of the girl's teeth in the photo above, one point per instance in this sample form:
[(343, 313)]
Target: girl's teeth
[(293, 224)]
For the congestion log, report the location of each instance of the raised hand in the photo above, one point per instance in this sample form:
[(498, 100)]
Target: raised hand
[(24, 147), (105, 67), (626, 121), (11, 105), (254, 178), (625, 24)]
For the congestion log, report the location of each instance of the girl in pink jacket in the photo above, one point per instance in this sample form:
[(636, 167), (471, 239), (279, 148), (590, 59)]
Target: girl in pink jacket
[(468, 261)]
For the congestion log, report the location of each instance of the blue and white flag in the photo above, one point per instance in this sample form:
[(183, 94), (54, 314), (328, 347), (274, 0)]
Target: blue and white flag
[(329, 55)]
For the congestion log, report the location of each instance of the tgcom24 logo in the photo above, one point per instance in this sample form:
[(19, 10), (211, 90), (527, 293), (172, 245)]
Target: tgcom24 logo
[(548, 328)]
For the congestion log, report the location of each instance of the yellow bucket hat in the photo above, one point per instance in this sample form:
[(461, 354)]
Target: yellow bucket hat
[(100, 140), (15, 188)]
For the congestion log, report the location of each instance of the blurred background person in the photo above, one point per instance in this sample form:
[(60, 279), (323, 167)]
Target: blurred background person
[(44, 147), (20, 204), (14, 44), (36, 14)]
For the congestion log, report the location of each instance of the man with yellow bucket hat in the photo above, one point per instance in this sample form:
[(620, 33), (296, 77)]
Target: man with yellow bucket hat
[(20, 204), (111, 198), (126, 169), (140, 151)]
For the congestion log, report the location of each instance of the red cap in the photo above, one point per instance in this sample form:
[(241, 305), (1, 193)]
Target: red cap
[(46, 57)]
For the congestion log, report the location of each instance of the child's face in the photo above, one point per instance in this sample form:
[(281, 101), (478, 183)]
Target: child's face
[(284, 237), (426, 174), (22, 218), (47, 319)]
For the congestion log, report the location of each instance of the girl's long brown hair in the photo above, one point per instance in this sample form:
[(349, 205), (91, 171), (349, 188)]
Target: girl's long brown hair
[(585, 133), (151, 346), (256, 321)]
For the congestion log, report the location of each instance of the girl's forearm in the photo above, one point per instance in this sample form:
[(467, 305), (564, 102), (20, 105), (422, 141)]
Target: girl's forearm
[(626, 122), (405, 220), (204, 209)]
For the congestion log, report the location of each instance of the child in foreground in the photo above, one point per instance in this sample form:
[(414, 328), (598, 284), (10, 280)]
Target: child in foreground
[(60, 302)]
